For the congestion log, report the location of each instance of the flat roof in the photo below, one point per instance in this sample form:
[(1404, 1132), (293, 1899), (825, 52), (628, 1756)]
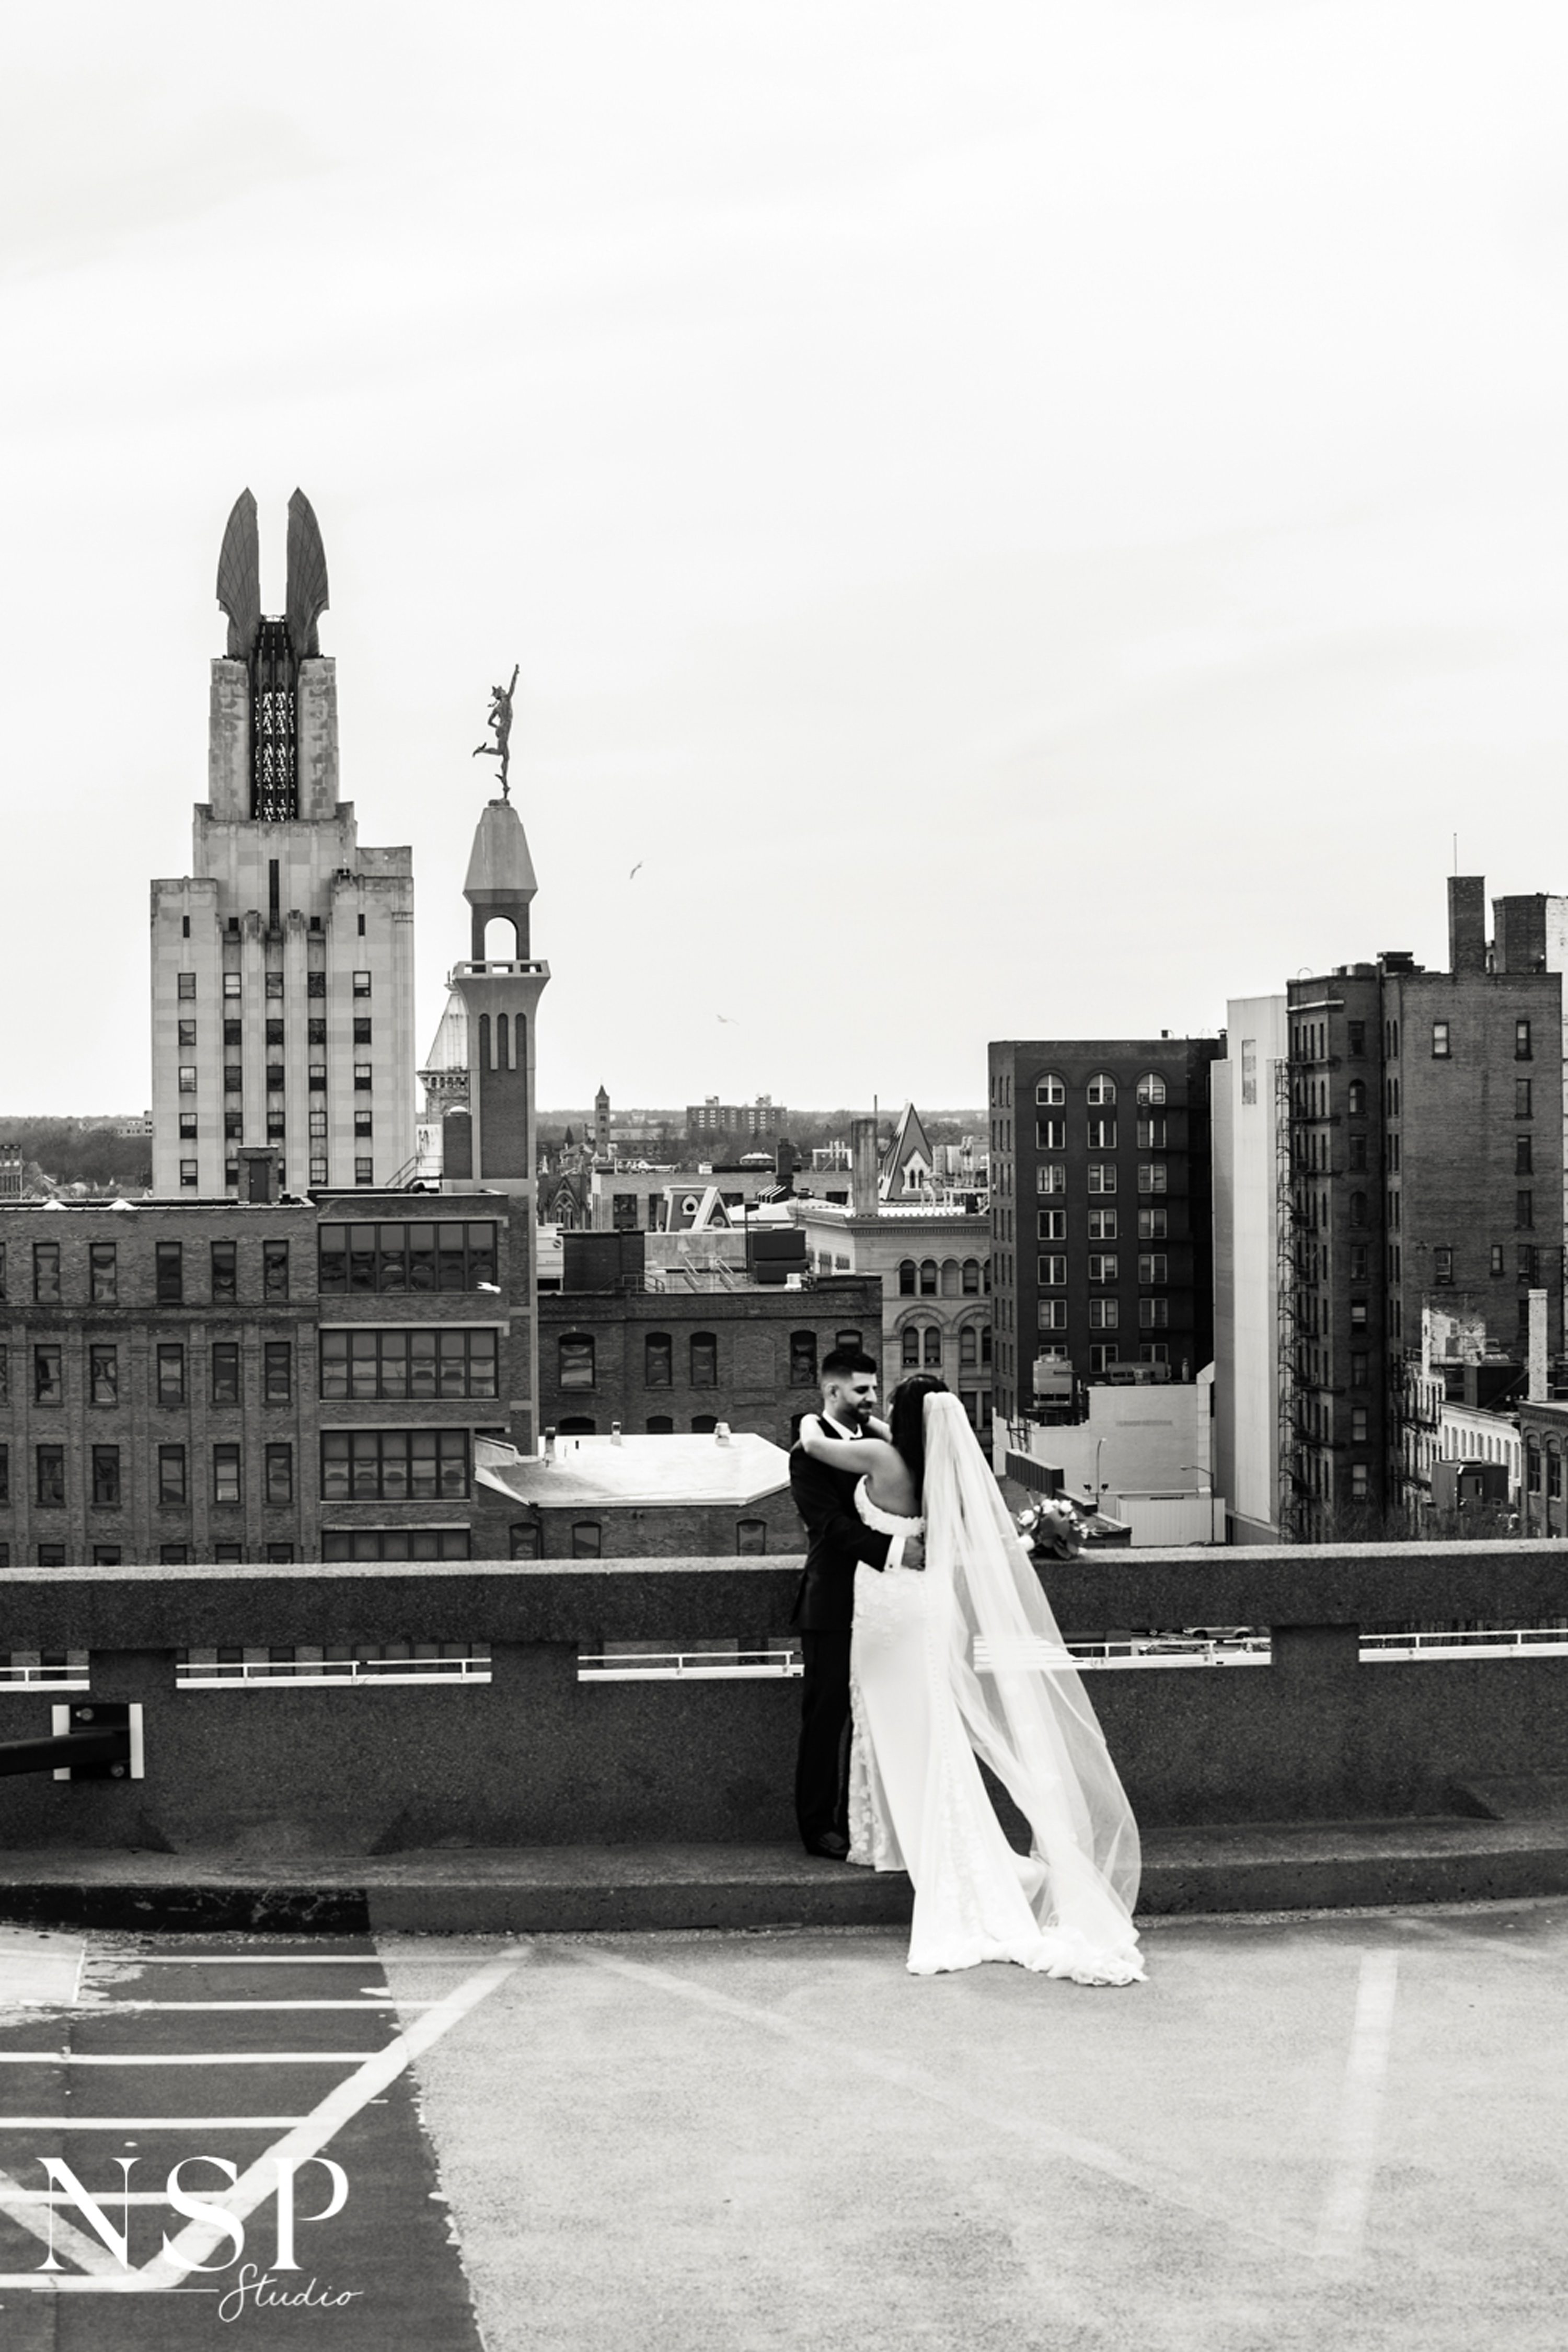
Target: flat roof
[(651, 1470)]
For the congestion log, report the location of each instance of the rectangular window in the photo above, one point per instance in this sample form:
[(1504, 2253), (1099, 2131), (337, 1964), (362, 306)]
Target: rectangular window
[(361, 983), (187, 1036), (398, 1258), (1359, 1488), (103, 1374), (1521, 1040), (169, 1279), (1152, 1176), (48, 1379), (1051, 1178), (1499, 1260), (224, 1270), (233, 1127), (1050, 1135), (317, 1122), (1104, 1314), (1440, 1041), (1358, 1424), (363, 1123), (1359, 1262), (802, 1360), (274, 1031), (1103, 1176), (275, 1078), (47, 1274), (362, 1077), (1051, 1273), (362, 1030), (274, 983), (1358, 1369), (226, 1473), (576, 1355), (171, 1474), (1442, 1264), (1522, 1156), (316, 1078), (1155, 1351), (1103, 1224), (1051, 1225), (394, 1465), (231, 983), (1153, 1266), (364, 1171), (318, 1172), (433, 1361), (1051, 1315), (187, 1078), (275, 1269), (1356, 1159), (1102, 1354), (225, 1373), (188, 1175), (104, 1281), (5, 1481), (170, 1374), (232, 1079), (185, 985), (280, 1474), (277, 1372), (1103, 1268), (106, 1477), (704, 1361), (1527, 1264), (1151, 1225), (1524, 1210), (50, 1490), (315, 984), (1153, 1314), (1521, 1099), (1152, 1134), (188, 1126), (1102, 1135), (1358, 1315)]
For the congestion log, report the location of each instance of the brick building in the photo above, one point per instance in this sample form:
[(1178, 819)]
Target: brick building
[(639, 1499), (1426, 1158), (294, 1380), (1102, 1246), (684, 1358)]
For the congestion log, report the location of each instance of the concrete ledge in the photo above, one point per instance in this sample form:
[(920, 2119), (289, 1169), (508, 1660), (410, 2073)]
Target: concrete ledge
[(579, 1890)]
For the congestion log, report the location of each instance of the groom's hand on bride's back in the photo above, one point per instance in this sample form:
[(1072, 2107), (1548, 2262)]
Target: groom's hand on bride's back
[(914, 1551)]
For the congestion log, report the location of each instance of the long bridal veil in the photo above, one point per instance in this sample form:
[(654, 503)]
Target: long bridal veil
[(1021, 1701)]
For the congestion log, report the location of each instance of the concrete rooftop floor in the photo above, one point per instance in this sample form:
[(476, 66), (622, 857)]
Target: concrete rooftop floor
[(1341, 2130)]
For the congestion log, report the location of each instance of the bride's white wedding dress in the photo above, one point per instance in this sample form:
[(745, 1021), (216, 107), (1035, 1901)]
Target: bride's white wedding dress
[(961, 1657)]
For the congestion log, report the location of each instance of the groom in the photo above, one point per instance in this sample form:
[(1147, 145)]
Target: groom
[(838, 1539)]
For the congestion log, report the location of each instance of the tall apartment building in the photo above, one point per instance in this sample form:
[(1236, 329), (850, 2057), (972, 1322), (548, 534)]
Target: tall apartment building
[(1426, 1151), (283, 963), (1101, 1241), (714, 1121), (1250, 1116)]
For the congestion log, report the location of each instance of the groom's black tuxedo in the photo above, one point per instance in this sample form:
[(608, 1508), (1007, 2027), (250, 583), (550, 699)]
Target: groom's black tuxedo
[(838, 1540)]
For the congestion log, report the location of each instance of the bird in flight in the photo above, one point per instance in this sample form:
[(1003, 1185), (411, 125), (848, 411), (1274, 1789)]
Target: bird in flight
[(636, 869), (726, 1020)]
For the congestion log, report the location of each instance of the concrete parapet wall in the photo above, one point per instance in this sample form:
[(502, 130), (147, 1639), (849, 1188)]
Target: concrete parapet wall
[(536, 1757)]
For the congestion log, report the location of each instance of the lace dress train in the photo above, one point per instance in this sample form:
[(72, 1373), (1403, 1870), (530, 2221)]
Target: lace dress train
[(917, 1803)]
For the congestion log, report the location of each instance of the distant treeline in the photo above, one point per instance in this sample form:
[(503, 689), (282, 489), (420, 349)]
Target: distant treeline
[(79, 1151)]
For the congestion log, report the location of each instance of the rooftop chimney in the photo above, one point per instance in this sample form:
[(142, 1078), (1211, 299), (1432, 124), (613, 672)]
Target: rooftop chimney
[(863, 1167), (1467, 923)]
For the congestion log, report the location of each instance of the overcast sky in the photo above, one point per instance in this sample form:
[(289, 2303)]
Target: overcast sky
[(1025, 520)]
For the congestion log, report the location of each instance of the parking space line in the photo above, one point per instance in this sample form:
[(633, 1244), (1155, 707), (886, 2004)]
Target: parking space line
[(1341, 2228)]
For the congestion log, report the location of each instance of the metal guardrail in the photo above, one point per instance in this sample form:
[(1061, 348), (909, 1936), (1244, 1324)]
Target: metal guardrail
[(1471, 1642), (320, 1674), (72, 1677), (688, 1665)]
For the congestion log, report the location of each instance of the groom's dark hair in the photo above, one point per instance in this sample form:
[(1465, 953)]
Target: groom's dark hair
[(840, 1363)]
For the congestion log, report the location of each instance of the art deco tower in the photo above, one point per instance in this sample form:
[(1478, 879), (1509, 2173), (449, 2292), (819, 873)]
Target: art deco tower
[(283, 963)]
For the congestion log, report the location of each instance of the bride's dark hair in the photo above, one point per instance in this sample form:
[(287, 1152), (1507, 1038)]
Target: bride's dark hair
[(906, 1421)]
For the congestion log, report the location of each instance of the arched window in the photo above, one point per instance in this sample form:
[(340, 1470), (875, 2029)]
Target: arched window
[(750, 1537), (912, 1348), (1358, 1208), (704, 1425), (1050, 1091), (933, 1346), (658, 1360), (907, 1274), (949, 1277), (802, 1360), (587, 1539), (660, 1424), (704, 1361), (576, 1359), (576, 1426), (928, 1277), (968, 1348), (1356, 1100), (1151, 1087), (1102, 1088), (970, 1285), (525, 1539)]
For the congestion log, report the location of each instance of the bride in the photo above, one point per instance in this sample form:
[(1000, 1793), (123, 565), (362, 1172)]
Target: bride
[(962, 1659)]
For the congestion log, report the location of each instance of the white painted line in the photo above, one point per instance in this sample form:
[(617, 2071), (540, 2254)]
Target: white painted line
[(147, 2122), (186, 2058), (67, 2239), (1169, 2187), (1342, 2227), (313, 2133)]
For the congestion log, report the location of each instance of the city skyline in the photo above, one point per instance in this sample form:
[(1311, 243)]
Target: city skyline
[(969, 498)]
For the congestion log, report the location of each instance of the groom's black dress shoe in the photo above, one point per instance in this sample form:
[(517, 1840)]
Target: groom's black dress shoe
[(831, 1846)]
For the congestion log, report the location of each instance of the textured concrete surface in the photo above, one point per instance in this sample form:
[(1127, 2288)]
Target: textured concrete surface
[(269, 1883), (1342, 2131)]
